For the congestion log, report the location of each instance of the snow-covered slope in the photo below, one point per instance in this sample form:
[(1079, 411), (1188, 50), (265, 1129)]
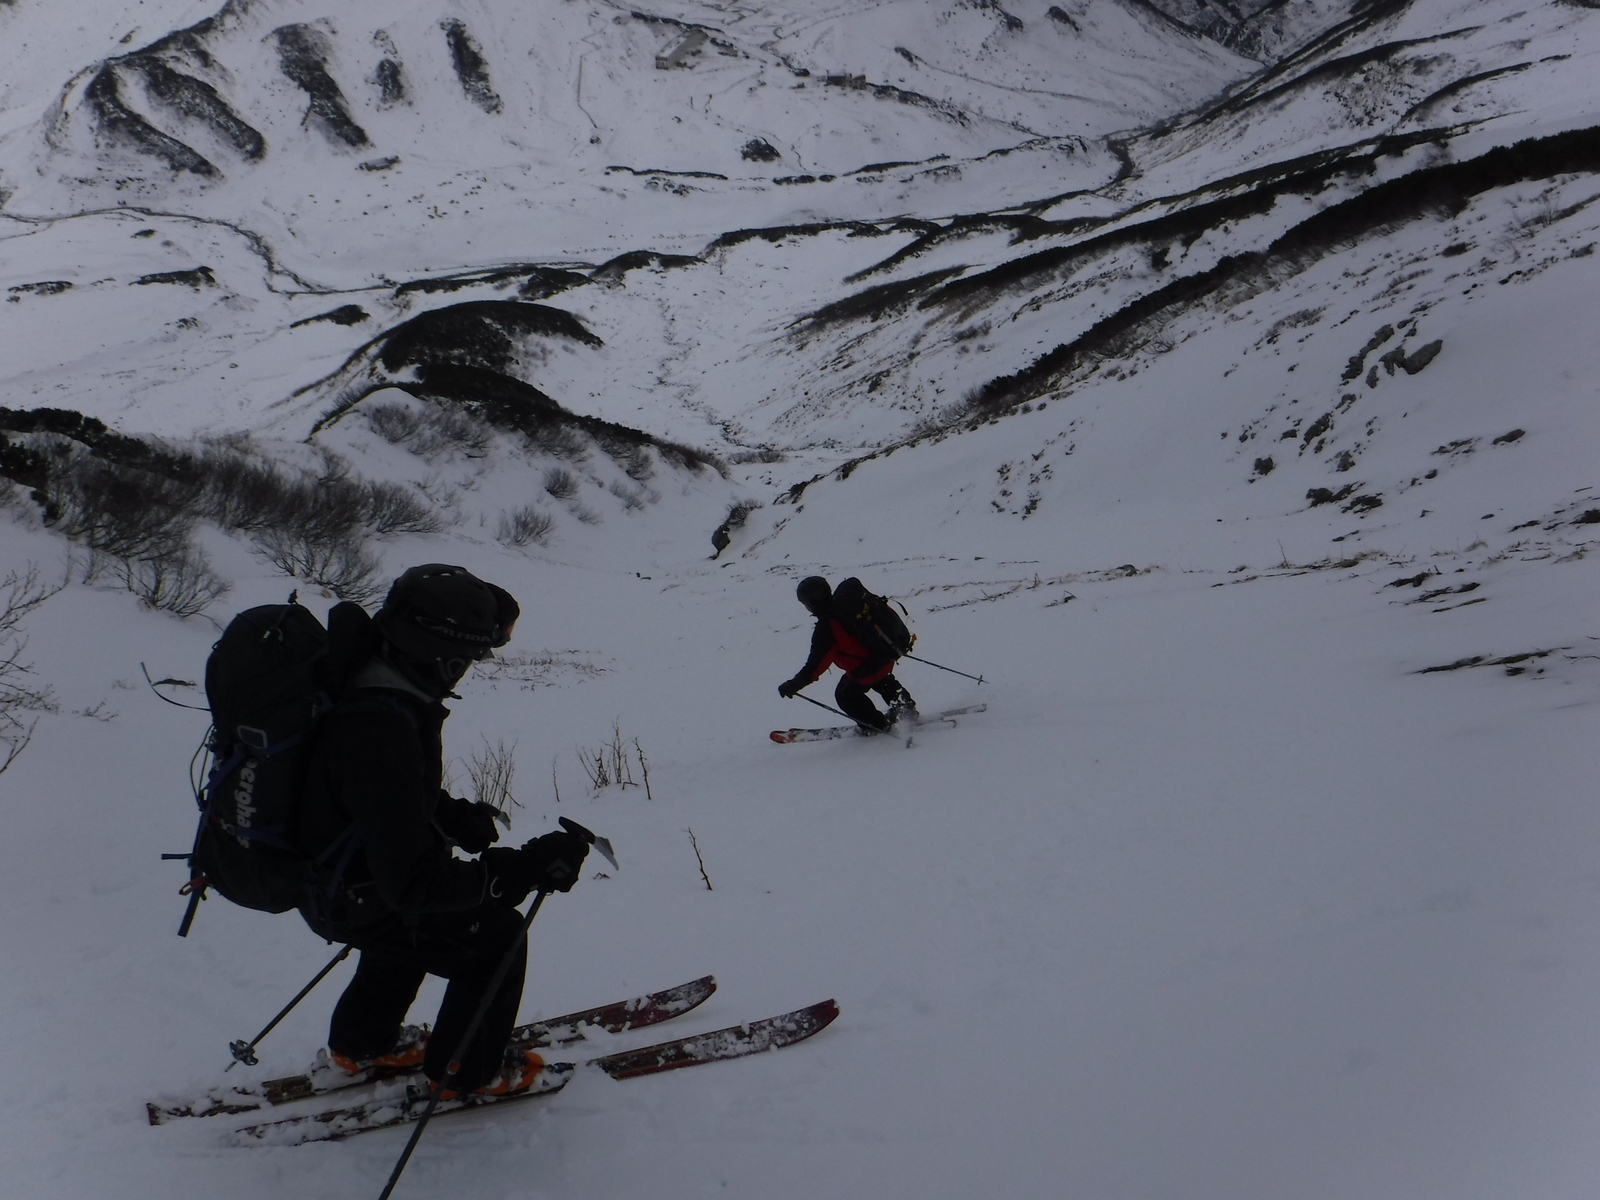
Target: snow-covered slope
[(468, 129), (1235, 421)]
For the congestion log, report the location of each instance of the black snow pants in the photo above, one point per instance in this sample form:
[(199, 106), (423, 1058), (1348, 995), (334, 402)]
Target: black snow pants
[(855, 703), (464, 947)]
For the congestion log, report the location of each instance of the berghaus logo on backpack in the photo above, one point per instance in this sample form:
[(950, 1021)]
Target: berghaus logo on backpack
[(244, 802)]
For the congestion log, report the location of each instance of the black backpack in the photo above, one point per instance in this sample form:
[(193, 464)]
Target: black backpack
[(871, 619), (269, 678)]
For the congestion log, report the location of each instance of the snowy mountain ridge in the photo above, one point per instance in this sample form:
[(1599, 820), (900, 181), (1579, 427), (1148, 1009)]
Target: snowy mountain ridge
[(1218, 382)]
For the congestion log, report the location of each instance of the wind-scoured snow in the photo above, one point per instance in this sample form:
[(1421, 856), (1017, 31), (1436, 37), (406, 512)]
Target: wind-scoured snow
[(1219, 385)]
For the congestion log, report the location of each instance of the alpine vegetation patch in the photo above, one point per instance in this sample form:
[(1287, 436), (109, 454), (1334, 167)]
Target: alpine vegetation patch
[(561, 484), (20, 594), (523, 525)]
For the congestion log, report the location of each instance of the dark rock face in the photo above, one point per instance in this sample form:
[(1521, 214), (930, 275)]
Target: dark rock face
[(303, 57), (467, 57), (347, 314), (119, 124), (391, 82), (198, 100)]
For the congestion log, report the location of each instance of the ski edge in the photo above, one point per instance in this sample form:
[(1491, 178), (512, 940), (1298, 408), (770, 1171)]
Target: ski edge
[(736, 1041), (638, 1012), (789, 737), (336, 1124)]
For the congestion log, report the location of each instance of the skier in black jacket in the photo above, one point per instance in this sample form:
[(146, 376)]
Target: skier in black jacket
[(374, 813)]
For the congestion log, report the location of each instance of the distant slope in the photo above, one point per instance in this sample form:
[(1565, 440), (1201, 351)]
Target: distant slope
[(484, 126)]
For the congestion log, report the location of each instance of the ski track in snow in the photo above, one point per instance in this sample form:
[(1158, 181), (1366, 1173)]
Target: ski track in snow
[(1269, 870)]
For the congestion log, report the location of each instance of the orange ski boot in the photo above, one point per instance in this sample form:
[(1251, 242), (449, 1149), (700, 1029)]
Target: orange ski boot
[(406, 1056), (519, 1071)]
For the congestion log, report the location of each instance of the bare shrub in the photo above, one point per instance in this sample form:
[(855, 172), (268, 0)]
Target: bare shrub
[(392, 508), (491, 769), (636, 462), (558, 442), (561, 483), (344, 566), (695, 843), (587, 515), (434, 429), (121, 512), (179, 581), (446, 429), (523, 525), (631, 500), (394, 423), (20, 594), (539, 670), (242, 494), (608, 762)]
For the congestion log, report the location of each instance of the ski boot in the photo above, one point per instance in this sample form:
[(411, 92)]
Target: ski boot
[(406, 1055), (519, 1072), (902, 708)]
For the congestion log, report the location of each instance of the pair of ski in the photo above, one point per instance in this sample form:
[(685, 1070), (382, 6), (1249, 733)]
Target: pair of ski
[(905, 728), (407, 1097)]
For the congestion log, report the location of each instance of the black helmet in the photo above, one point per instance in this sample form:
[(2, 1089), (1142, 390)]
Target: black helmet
[(814, 592), (445, 618)]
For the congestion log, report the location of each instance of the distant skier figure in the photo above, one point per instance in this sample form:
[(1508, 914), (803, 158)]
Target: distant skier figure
[(862, 635), (373, 814)]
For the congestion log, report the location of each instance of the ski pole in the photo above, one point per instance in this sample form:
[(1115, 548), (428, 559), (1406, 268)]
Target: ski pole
[(454, 1069), (820, 704), (952, 670), (245, 1052)]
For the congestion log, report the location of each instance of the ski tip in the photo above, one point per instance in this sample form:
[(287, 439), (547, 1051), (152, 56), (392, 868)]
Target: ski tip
[(777, 735)]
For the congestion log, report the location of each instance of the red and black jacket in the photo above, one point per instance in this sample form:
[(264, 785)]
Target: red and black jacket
[(832, 645)]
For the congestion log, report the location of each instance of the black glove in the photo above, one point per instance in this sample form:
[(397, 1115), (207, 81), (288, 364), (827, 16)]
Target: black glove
[(790, 688), (548, 864), (557, 858), (470, 826), (511, 874)]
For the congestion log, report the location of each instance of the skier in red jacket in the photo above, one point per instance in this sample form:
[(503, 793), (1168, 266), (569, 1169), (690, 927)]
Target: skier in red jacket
[(867, 663)]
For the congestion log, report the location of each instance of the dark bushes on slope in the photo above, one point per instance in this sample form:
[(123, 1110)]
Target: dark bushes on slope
[(875, 303), (136, 504), (199, 100), (119, 123), (467, 58), (1443, 190), (431, 429), (469, 356), (477, 333), (303, 57), (523, 525), (563, 485)]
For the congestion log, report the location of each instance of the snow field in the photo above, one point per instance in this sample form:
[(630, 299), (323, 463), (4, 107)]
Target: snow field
[(1226, 895)]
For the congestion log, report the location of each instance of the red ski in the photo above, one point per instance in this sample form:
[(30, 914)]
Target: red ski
[(323, 1078), (408, 1105), (901, 729)]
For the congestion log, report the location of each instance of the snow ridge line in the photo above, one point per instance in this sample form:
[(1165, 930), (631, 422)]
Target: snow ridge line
[(1445, 188)]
